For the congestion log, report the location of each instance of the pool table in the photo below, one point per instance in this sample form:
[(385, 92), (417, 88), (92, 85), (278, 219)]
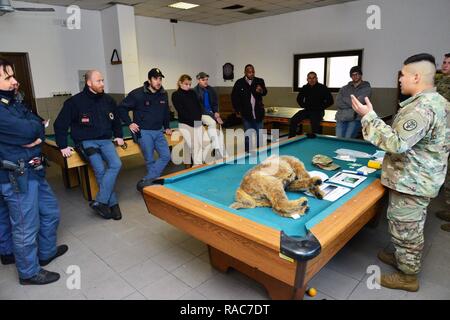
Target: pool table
[(75, 170), (281, 253)]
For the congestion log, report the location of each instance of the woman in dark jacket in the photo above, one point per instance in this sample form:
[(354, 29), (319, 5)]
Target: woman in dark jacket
[(189, 112)]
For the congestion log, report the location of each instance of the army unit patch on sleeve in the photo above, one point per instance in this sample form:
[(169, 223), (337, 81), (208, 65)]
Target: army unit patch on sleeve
[(411, 125)]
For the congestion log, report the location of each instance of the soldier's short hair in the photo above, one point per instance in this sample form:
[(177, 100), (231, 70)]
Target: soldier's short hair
[(419, 58), (447, 55)]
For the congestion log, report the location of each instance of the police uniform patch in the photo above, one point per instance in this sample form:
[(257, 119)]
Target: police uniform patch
[(111, 116)]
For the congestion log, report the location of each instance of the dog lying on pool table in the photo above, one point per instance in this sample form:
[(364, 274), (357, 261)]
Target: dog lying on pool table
[(264, 186)]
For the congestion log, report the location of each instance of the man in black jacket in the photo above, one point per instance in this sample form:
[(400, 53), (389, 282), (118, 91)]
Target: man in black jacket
[(92, 118), (150, 106), (314, 98), (247, 99)]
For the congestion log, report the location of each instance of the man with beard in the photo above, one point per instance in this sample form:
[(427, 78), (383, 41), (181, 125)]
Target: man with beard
[(92, 118)]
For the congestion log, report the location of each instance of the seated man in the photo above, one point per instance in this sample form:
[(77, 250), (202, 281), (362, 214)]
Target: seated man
[(151, 114), (210, 107), (314, 98), (92, 118)]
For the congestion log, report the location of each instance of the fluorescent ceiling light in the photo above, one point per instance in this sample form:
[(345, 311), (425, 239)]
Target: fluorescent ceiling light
[(183, 5)]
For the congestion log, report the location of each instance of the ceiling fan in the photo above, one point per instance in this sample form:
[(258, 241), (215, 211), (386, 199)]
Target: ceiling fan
[(6, 7)]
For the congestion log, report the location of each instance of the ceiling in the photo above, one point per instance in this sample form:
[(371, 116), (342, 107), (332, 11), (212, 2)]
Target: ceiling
[(208, 12)]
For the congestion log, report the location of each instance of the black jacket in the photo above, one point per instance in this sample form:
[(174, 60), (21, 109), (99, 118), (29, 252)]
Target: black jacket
[(213, 102), (240, 98), (188, 107), (18, 126), (150, 110), (316, 98), (89, 116)]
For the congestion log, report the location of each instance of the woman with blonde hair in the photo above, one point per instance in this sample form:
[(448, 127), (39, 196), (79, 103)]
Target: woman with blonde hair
[(189, 117)]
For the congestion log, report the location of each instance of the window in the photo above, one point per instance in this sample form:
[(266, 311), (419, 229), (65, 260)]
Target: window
[(332, 68)]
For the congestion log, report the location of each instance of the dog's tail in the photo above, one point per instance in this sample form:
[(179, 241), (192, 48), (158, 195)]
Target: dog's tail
[(243, 200)]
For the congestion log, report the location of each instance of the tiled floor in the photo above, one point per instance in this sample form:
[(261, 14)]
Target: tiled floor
[(141, 257)]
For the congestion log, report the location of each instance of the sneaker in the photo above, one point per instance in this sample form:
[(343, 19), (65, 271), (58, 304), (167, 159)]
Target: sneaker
[(101, 209), (59, 252), (115, 212), (7, 259), (43, 277)]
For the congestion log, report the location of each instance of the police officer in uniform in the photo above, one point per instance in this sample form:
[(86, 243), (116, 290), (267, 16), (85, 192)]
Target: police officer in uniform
[(29, 213), (92, 118), (150, 107), (414, 166), (442, 81)]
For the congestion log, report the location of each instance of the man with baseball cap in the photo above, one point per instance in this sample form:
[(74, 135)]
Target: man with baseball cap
[(150, 107), (207, 97)]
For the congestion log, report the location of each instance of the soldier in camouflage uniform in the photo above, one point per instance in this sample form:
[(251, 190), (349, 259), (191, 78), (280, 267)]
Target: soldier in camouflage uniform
[(442, 82), (414, 166)]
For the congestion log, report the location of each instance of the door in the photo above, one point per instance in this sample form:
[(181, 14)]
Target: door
[(22, 72)]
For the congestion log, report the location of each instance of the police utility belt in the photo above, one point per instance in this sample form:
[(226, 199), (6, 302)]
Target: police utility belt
[(18, 172)]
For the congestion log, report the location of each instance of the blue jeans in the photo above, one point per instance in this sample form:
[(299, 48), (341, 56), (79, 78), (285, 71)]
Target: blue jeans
[(348, 129), (150, 141), (33, 219), (106, 176), (255, 125)]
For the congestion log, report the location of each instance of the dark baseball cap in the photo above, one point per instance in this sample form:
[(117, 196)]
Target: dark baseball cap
[(155, 73), (202, 75)]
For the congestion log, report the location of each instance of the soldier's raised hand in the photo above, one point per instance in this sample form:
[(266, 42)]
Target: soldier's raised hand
[(360, 108)]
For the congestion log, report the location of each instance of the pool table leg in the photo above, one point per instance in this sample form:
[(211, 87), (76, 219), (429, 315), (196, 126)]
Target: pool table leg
[(276, 289)]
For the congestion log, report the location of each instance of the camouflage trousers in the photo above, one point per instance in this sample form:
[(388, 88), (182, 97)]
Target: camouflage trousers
[(447, 184), (406, 215)]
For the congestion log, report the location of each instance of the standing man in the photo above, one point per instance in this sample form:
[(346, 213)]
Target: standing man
[(414, 165), (247, 99), (210, 108), (314, 98), (29, 213), (92, 118), (348, 122), (442, 82), (150, 106)]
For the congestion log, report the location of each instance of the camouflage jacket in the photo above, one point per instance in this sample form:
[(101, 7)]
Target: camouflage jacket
[(416, 147), (442, 83)]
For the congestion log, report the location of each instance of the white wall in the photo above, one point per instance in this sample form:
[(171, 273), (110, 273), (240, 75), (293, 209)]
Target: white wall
[(190, 51), (408, 27), (56, 53)]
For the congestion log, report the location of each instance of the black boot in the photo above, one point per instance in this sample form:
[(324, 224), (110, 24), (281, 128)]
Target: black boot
[(7, 259), (115, 212), (59, 252), (101, 209), (144, 183), (43, 277)]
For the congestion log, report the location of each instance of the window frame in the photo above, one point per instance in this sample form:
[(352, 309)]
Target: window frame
[(326, 56)]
